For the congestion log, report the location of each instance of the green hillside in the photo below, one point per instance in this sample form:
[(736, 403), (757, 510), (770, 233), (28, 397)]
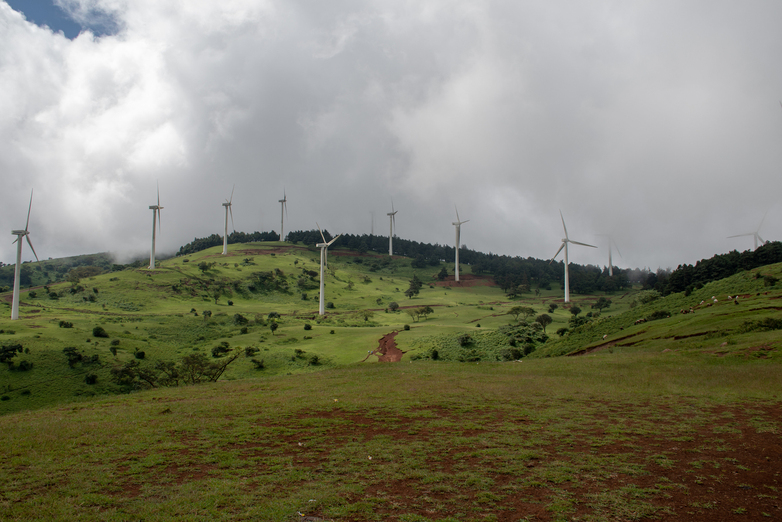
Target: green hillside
[(201, 302), (659, 415)]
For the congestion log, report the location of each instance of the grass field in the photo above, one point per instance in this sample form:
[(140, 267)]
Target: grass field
[(607, 437), (660, 415)]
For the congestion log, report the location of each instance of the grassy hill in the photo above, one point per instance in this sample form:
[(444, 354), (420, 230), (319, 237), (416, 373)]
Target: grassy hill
[(161, 315), (673, 418)]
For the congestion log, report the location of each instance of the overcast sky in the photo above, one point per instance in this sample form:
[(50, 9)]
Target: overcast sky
[(658, 122)]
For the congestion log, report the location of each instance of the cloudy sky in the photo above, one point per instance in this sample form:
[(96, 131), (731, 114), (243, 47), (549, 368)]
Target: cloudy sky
[(658, 122)]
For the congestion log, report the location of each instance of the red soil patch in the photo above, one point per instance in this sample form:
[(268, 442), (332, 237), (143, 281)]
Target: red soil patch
[(387, 350), (466, 281)]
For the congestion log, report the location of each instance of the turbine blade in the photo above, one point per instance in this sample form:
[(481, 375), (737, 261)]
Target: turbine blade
[(762, 242), (457, 214), (558, 251), (232, 194), (742, 235), (321, 232), (758, 230), (28, 211), (330, 242), (285, 204), (31, 247), (582, 244), (563, 223), (616, 247), (232, 217)]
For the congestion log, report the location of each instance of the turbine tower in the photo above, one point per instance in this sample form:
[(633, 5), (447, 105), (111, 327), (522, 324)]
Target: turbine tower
[(565, 241), (755, 234), (227, 206), (458, 225), (18, 268), (323, 248), (392, 221), (283, 212), (610, 260), (155, 221)]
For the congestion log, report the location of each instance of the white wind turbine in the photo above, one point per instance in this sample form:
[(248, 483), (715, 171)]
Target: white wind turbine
[(323, 253), (18, 268), (458, 225), (283, 212), (755, 234), (227, 206), (392, 221), (610, 260), (565, 241), (155, 221)]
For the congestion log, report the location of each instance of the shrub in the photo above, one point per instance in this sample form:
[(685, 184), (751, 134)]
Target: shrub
[(250, 351), (464, 339), (98, 331), (140, 354), (244, 330), (308, 326), (221, 349), (658, 314), (230, 303), (406, 327), (91, 378), (25, 392), (332, 332), (329, 305), (32, 295), (5, 398), (66, 324), (73, 355), (314, 360), (273, 315), (240, 320), (258, 364), (562, 332), (113, 350), (115, 342)]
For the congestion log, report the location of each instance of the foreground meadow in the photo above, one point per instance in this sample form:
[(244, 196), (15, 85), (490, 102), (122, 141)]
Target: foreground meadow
[(603, 437)]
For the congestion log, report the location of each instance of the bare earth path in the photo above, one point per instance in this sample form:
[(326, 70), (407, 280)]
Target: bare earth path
[(387, 350)]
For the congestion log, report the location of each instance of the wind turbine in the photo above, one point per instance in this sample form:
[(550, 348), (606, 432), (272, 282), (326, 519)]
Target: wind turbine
[(227, 206), (392, 221), (610, 261), (458, 225), (283, 212), (323, 248), (18, 268), (565, 241), (754, 234), (155, 217)]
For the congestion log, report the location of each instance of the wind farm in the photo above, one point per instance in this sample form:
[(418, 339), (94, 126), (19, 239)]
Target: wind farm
[(335, 374)]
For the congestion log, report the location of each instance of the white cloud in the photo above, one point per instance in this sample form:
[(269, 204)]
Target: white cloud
[(657, 122)]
